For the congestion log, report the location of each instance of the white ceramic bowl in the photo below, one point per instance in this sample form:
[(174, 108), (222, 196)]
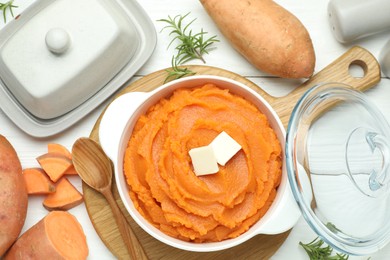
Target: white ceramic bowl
[(116, 128)]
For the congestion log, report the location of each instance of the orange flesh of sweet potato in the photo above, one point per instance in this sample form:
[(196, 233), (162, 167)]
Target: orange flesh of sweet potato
[(13, 196), (266, 34), (58, 148), (65, 197), (55, 165), (71, 171), (37, 181), (57, 236)]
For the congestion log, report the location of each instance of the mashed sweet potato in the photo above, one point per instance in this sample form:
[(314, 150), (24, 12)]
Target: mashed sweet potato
[(163, 185)]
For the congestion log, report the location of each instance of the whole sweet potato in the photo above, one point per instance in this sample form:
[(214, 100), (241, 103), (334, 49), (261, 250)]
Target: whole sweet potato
[(266, 34), (13, 196)]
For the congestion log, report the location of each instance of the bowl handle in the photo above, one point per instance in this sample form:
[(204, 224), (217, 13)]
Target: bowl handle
[(115, 119), (285, 215)]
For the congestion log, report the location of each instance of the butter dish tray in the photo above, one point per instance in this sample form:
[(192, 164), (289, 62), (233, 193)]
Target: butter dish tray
[(60, 59)]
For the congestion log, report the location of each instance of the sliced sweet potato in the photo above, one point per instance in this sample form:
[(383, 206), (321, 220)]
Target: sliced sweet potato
[(55, 165), (37, 181), (58, 148), (13, 196), (57, 236), (65, 197), (71, 171), (53, 148)]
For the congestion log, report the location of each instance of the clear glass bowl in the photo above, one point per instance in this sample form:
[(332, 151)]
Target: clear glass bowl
[(337, 156)]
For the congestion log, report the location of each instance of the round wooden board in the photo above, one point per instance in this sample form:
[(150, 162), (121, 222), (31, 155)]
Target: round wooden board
[(259, 247)]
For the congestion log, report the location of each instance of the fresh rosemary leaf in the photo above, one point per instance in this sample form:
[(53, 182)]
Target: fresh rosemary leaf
[(191, 45), (177, 72), (7, 6), (318, 250)]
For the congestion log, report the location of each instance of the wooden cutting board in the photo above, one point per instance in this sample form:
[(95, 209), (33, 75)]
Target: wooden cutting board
[(261, 246)]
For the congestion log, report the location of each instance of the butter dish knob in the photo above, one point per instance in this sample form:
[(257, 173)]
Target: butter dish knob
[(57, 40)]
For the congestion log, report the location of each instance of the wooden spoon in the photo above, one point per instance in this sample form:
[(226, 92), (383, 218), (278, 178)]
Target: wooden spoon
[(95, 169)]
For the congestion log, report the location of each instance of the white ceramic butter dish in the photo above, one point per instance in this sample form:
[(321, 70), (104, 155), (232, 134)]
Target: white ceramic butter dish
[(60, 59)]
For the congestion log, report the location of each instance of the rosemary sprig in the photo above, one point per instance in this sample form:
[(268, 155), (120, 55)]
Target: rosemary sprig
[(191, 45), (7, 6), (317, 251), (177, 72)]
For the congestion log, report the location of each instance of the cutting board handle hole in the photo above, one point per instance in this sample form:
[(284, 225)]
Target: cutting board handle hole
[(358, 69)]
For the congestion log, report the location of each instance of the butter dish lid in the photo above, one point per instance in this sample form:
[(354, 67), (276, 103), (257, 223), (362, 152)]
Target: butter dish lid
[(337, 159), (60, 59)]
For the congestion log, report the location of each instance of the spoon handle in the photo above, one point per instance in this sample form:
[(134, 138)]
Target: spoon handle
[(134, 247)]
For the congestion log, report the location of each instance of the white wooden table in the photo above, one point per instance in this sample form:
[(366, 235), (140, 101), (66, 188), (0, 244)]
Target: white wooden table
[(313, 15)]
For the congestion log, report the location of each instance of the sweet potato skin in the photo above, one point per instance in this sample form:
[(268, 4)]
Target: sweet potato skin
[(266, 34), (13, 196)]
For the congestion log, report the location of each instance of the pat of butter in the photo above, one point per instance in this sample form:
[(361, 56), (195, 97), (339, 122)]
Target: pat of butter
[(203, 160), (225, 147)]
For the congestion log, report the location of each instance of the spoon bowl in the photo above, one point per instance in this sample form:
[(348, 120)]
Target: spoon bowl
[(95, 169), (97, 162)]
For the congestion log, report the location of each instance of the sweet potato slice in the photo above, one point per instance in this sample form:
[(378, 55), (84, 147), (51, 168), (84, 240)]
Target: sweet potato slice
[(37, 181), (55, 165), (65, 197), (71, 171), (13, 196), (57, 236), (58, 148), (53, 148)]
